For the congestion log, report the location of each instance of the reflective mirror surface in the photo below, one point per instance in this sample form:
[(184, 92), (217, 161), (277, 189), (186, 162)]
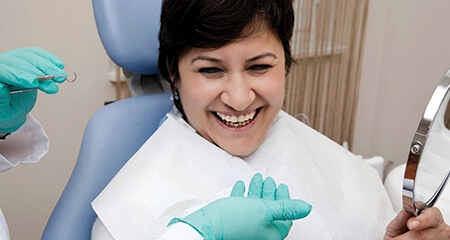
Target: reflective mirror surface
[(428, 166), (447, 117)]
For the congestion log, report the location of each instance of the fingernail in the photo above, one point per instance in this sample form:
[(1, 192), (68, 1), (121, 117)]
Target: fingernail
[(413, 225)]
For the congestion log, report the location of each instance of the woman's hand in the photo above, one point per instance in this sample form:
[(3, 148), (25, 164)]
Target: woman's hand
[(428, 225), (266, 213)]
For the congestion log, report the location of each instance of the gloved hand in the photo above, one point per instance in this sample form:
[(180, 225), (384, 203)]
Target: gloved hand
[(265, 214), (18, 70)]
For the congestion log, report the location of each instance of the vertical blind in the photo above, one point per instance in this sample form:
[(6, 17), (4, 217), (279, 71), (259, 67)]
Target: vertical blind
[(324, 80)]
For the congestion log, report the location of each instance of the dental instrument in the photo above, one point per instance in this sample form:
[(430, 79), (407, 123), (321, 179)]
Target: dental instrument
[(43, 78)]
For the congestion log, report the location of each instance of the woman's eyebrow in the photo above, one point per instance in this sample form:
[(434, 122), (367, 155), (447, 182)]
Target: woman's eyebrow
[(205, 58), (268, 54), (215, 60)]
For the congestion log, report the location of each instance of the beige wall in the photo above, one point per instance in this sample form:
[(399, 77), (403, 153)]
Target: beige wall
[(28, 193), (407, 51)]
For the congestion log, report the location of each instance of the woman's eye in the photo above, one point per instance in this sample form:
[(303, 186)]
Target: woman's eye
[(210, 71), (259, 68)]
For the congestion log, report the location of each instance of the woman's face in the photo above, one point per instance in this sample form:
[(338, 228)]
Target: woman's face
[(232, 94)]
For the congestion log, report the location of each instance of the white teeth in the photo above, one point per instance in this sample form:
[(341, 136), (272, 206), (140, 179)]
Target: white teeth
[(236, 121)]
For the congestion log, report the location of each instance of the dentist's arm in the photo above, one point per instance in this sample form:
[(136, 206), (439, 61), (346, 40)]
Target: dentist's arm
[(266, 213), (18, 70)]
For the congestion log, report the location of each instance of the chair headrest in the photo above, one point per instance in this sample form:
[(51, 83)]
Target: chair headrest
[(129, 32)]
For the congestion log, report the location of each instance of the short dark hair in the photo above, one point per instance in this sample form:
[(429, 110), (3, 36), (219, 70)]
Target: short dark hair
[(187, 24)]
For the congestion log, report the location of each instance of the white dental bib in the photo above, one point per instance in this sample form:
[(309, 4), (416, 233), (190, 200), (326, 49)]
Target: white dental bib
[(177, 172)]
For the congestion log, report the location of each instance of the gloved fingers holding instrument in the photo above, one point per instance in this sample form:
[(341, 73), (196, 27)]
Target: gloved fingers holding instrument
[(19, 70), (266, 213)]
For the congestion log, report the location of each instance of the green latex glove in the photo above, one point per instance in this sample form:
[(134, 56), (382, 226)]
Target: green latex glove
[(266, 213), (18, 70)]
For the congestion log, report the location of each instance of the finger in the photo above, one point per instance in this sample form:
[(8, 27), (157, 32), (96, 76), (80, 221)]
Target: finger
[(238, 189), (269, 188), (44, 64), (289, 209), (282, 228), (48, 86), (60, 79), (5, 96), (18, 78), (430, 218), (282, 193), (47, 55), (398, 226), (429, 233), (255, 188)]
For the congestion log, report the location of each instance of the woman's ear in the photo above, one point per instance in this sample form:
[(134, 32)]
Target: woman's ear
[(169, 70), (173, 82)]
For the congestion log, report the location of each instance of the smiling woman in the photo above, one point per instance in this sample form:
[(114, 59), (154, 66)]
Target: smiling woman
[(228, 67)]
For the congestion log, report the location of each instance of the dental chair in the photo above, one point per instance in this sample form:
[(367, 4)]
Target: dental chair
[(129, 33)]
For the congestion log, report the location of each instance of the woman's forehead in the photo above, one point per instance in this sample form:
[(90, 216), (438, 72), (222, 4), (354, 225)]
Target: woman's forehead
[(257, 44)]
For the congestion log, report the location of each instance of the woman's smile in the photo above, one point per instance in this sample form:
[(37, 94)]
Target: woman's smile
[(236, 121)]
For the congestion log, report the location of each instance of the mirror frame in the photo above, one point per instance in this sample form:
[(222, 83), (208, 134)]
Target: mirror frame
[(417, 147)]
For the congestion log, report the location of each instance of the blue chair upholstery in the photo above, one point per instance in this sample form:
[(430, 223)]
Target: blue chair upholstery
[(129, 32), (111, 138)]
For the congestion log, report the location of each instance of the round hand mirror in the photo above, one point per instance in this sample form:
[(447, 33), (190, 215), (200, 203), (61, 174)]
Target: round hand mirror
[(428, 166)]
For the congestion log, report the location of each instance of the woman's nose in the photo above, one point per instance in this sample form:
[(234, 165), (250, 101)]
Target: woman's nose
[(238, 93)]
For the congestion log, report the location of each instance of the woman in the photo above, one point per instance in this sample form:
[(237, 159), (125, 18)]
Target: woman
[(227, 62)]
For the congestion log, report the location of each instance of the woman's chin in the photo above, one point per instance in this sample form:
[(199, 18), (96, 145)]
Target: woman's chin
[(240, 151)]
